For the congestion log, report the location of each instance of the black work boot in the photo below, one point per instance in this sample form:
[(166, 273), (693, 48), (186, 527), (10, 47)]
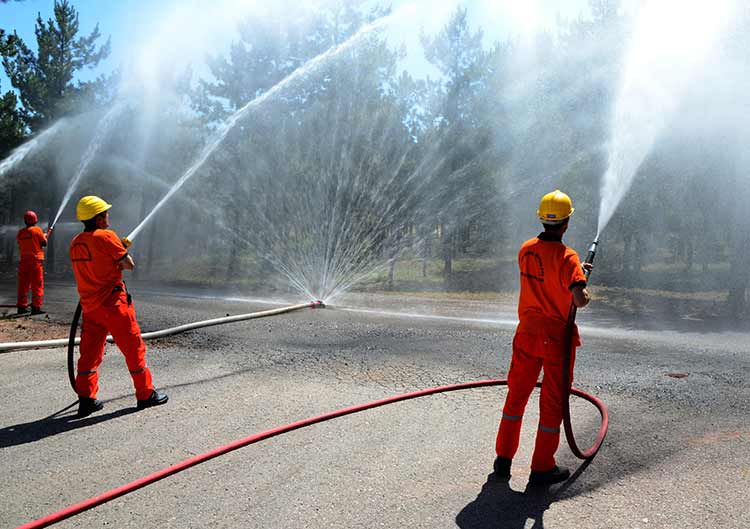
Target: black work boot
[(87, 406), (36, 310), (502, 467), (549, 477), (23, 310), (155, 399)]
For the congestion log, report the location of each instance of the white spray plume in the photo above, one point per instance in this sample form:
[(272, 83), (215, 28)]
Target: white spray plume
[(670, 42)]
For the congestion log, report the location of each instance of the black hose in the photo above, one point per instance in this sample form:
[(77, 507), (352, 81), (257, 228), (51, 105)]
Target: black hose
[(72, 346)]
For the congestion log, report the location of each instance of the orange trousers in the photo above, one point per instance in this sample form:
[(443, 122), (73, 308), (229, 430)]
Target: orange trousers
[(531, 353), (117, 317), (30, 276)]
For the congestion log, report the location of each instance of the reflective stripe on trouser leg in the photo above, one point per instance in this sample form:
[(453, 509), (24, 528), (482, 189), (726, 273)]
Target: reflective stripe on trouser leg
[(93, 339), (545, 446), (127, 336), (508, 436), (522, 377), (550, 413)]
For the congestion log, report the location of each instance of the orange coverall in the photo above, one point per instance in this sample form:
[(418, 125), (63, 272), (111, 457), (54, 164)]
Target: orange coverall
[(549, 270), (31, 240), (107, 308)]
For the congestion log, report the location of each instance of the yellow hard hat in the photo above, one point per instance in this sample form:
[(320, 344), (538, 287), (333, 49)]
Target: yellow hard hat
[(90, 206), (555, 207)]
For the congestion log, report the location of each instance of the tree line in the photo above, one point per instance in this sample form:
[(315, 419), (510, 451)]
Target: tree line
[(499, 126)]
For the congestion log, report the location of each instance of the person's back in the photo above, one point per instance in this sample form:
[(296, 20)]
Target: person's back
[(95, 257), (31, 241), (549, 271)]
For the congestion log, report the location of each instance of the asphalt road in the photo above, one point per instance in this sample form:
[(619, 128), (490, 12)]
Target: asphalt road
[(677, 453)]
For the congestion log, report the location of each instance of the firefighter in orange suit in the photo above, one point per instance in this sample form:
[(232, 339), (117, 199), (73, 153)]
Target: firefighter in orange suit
[(31, 241), (99, 256), (552, 278)]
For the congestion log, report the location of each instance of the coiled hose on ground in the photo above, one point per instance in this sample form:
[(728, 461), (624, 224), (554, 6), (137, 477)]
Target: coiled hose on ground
[(156, 476), (201, 458)]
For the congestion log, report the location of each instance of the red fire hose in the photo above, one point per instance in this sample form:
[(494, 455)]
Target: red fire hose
[(567, 390), (156, 476)]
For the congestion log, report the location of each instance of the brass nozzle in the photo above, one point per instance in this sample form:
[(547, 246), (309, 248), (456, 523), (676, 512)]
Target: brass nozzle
[(126, 242)]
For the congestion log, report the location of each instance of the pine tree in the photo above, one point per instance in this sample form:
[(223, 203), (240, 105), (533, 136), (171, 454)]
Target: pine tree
[(44, 79), (464, 135), (12, 128)]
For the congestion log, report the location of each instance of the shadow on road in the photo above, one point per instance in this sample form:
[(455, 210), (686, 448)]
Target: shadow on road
[(54, 424), (498, 506)]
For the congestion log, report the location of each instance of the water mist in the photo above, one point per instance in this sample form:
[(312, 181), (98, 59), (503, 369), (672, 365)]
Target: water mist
[(669, 44)]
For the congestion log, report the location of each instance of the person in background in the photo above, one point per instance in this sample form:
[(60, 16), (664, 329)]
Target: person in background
[(99, 257), (552, 278), (31, 243)]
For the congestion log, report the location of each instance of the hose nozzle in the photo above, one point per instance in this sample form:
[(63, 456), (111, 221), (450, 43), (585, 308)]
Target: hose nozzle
[(590, 256), (127, 243), (592, 252), (317, 305)]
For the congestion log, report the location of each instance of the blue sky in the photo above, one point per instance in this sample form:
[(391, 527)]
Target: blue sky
[(126, 21)]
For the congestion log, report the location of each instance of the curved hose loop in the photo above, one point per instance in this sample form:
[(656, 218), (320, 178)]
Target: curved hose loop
[(72, 340), (201, 458), (568, 390), (71, 346)]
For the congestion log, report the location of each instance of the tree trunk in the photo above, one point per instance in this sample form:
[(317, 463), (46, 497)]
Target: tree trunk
[(447, 243), (146, 193), (637, 250), (626, 253), (55, 195), (11, 241), (739, 275), (391, 272), (151, 236), (233, 252), (425, 250)]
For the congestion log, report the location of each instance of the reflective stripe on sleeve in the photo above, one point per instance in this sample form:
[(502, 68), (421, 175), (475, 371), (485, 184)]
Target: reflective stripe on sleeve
[(512, 417)]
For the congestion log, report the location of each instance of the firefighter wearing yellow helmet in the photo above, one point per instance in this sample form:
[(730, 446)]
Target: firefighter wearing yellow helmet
[(551, 279), (555, 207), (99, 257)]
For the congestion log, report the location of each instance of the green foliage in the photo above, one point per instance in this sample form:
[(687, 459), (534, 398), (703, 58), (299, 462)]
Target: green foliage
[(12, 128), (500, 126), (44, 79)]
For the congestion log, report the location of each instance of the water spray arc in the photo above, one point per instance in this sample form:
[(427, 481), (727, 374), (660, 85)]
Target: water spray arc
[(670, 43), (100, 134), (311, 65), (30, 146)]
